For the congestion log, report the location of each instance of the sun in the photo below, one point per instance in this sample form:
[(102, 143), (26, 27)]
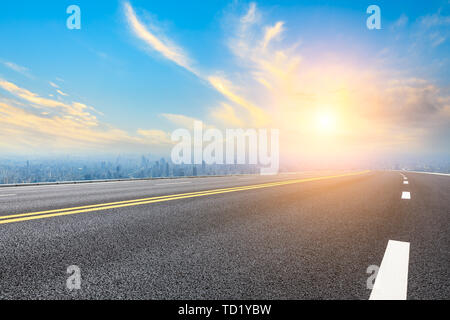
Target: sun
[(325, 122)]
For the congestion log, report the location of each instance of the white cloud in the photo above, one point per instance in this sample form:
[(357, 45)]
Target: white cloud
[(433, 30), (433, 20), (62, 93), (250, 17), (20, 69), (159, 44), (54, 85), (175, 54), (275, 89), (183, 121), (401, 22), (31, 122), (272, 33)]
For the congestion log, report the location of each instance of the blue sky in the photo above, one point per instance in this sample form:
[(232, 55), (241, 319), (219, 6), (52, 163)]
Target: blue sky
[(118, 91)]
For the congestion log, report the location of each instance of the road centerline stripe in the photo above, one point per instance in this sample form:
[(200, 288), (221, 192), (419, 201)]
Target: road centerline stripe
[(118, 204), (392, 278)]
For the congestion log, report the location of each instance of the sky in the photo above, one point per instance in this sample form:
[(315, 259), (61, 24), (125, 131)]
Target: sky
[(138, 70)]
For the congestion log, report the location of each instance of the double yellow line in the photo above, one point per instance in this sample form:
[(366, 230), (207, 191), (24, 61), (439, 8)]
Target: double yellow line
[(128, 203)]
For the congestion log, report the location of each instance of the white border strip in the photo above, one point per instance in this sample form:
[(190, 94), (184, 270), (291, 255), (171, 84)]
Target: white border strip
[(392, 278)]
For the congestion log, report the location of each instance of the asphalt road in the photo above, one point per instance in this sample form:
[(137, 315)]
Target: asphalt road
[(301, 239)]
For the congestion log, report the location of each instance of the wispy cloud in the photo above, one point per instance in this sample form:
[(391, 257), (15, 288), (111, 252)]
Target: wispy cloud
[(294, 92), (227, 115), (17, 68), (159, 44), (433, 29), (255, 115), (401, 22), (29, 121), (250, 17), (76, 109), (54, 85), (62, 93), (183, 121), (436, 19), (272, 33), (258, 117)]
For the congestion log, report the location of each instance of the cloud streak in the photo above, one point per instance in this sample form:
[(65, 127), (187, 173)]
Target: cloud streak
[(255, 116), (17, 68), (31, 122), (163, 46)]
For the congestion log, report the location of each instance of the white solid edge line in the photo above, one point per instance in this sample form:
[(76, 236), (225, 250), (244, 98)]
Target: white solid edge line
[(7, 195), (435, 173), (392, 278), (406, 195), (168, 184)]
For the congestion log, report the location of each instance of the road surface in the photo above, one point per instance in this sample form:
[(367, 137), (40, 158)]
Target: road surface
[(310, 235)]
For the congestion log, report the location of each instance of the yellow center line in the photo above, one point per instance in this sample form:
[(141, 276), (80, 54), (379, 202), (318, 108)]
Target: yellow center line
[(127, 203)]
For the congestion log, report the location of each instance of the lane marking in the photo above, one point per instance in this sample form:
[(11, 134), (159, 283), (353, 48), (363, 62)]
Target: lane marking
[(168, 184), (120, 204), (406, 195), (392, 278), (7, 195), (70, 184), (435, 173), (110, 182), (405, 182)]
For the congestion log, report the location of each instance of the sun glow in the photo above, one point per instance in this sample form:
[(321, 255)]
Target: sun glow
[(325, 122)]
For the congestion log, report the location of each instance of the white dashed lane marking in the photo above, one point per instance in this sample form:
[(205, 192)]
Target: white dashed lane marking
[(406, 195), (392, 278), (7, 195), (405, 182)]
